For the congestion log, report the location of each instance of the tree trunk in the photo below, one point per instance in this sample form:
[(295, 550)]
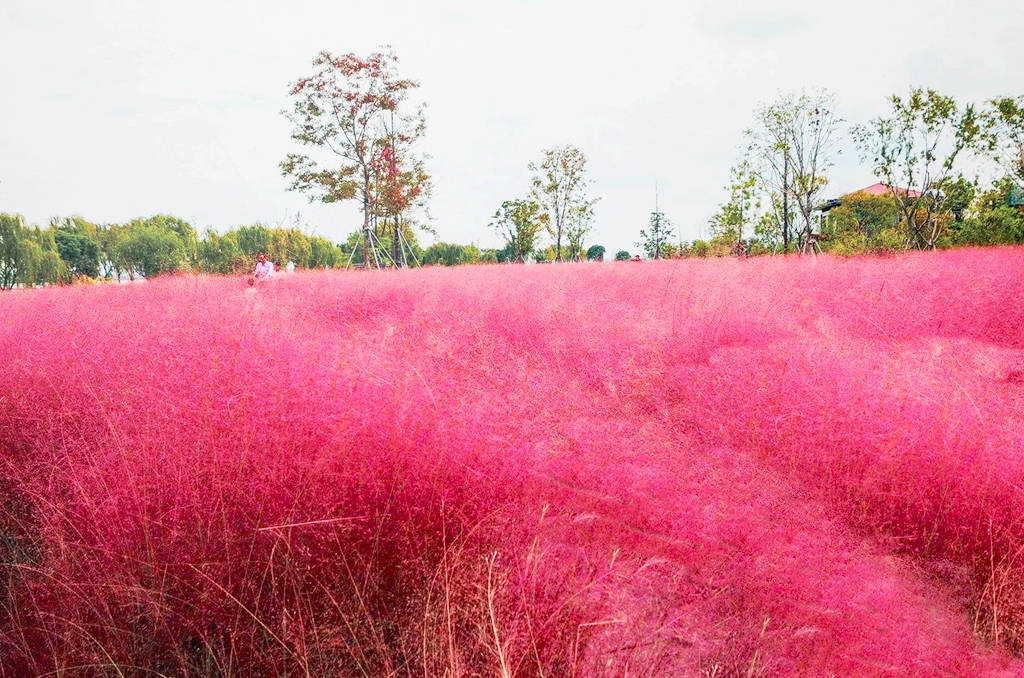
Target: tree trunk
[(396, 246), (366, 224), (785, 205)]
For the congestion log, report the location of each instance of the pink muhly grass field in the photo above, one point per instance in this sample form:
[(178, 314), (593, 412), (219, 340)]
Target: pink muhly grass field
[(770, 467)]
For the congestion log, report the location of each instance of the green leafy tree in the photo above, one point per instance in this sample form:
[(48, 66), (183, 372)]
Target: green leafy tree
[(323, 253), (595, 253), (544, 255), (622, 255), (185, 233), (518, 223), (1004, 122), (560, 187), (109, 239), (222, 254), (701, 248), (740, 210), (28, 256), (43, 264), (450, 254), (577, 229), (862, 222), (653, 241), (914, 151), (78, 246), (408, 247), (150, 251), (793, 143), (991, 219), (254, 239)]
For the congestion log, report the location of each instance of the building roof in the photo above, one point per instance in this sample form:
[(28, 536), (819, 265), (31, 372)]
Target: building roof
[(873, 189), (884, 189)]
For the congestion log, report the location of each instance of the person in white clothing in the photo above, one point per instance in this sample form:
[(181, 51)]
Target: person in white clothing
[(264, 268)]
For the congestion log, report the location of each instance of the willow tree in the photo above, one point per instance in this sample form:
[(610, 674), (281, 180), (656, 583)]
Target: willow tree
[(346, 114)]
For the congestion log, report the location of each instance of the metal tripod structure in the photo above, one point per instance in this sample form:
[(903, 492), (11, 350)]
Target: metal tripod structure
[(379, 255)]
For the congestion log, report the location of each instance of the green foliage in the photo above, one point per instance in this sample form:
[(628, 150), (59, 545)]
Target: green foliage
[(992, 219), (560, 188), (861, 214), (543, 255), (595, 253), (254, 239), (740, 210), (149, 251), (622, 255), (28, 256), (383, 253), (323, 253), (222, 254), (80, 253), (1003, 225), (1004, 124), (450, 254), (519, 222), (578, 227), (653, 240), (11, 252), (914, 151), (791, 151), (290, 245)]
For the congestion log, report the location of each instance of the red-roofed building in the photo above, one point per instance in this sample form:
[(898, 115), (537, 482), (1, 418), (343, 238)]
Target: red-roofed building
[(874, 189), (885, 189)]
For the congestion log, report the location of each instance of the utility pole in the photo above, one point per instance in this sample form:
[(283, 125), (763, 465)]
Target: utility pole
[(657, 224)]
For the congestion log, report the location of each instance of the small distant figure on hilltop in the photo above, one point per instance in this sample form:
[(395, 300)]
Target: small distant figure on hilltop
[(264, 268), (636, 257)]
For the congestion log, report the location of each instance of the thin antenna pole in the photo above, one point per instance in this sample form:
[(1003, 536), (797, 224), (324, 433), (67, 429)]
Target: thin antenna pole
[(657, 223)]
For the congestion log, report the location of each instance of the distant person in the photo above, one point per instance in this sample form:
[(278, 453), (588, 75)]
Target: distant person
[(249, 295), (290, 267), (264, 268), (636, 257)]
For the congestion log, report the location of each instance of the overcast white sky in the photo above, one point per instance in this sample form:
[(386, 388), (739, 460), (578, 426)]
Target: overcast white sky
[(117, 109)]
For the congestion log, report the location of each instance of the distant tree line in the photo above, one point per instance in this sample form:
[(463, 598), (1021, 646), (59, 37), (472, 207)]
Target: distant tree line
[(73, 249), (922, 153), (354, 117), (359, 128)]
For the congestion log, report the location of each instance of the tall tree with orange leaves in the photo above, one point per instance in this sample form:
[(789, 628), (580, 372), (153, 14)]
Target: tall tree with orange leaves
[(353, 116)]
